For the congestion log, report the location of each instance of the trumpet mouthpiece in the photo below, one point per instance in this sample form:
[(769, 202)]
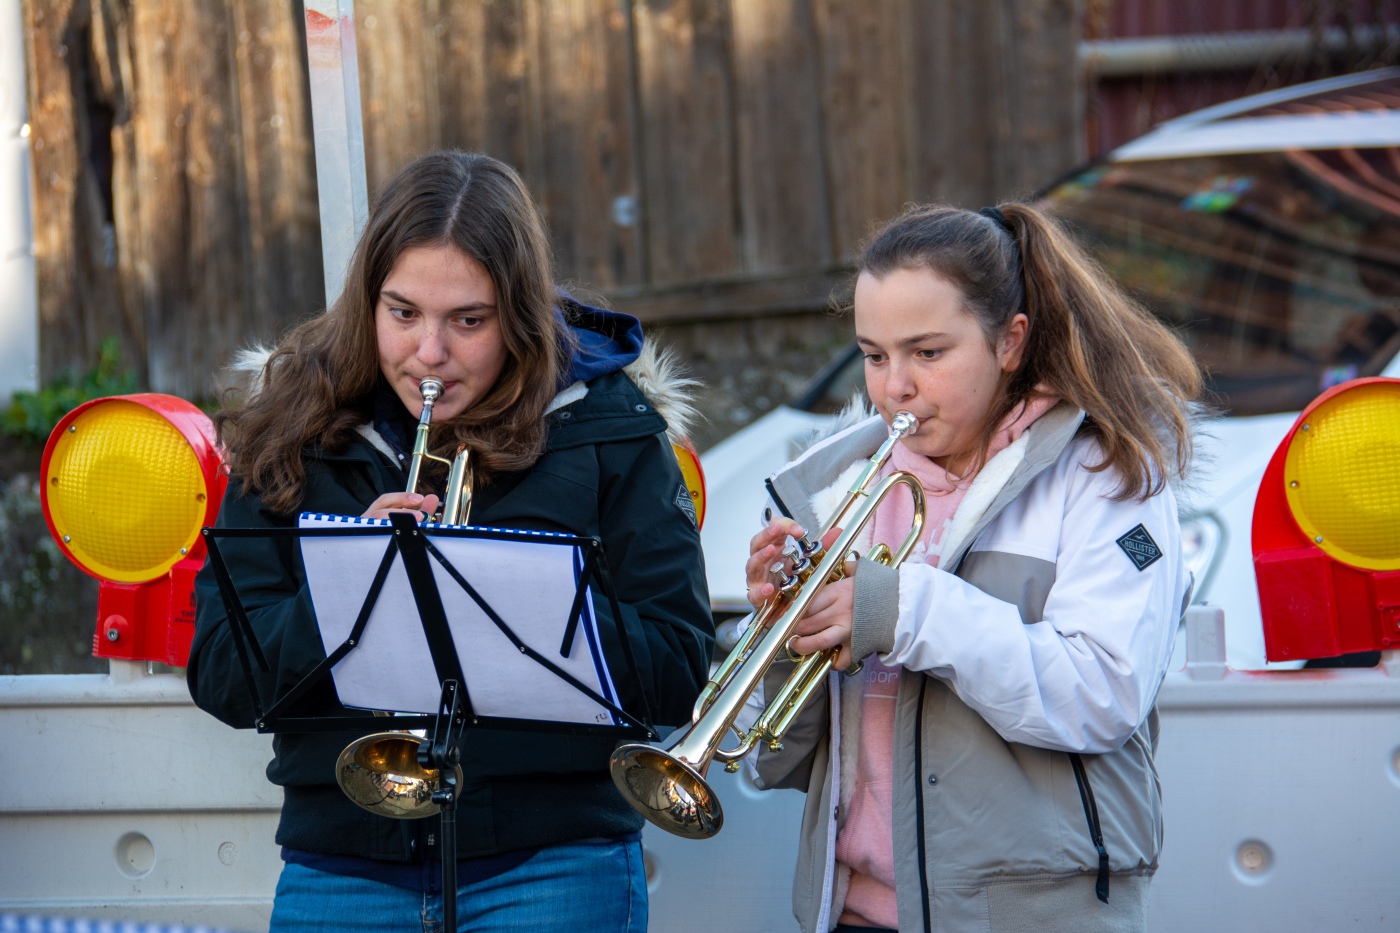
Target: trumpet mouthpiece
[(431, 388), (904, 424)]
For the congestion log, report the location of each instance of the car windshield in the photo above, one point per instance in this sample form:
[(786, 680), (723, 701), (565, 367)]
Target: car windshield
[(1281, 270)]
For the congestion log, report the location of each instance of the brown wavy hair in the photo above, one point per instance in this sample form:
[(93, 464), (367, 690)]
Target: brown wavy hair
[(1087, 341), (317, 386)]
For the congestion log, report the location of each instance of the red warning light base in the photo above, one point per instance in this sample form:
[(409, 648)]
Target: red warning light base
[(1313, 605), (148, 621)]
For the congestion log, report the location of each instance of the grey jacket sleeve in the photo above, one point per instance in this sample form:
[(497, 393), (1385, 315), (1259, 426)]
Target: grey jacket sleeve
[(876, 609)]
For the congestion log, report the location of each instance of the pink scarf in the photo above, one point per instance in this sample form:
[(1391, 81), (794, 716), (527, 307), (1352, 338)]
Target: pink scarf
[(942, 491)]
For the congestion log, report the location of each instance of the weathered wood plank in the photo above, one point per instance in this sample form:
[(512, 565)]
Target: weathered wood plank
[(781, 162), (112, 51), (862, 68), (486, 71), (398, 84), (188, 237), (949, 106), (993, 98), (283, 273), (586, 181), (53, 146), (79, 303), (1050, 93), (689, 203)]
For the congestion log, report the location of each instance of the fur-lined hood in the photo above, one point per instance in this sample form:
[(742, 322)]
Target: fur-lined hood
[(663, 380)]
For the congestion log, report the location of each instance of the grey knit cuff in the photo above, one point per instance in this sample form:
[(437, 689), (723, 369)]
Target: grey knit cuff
[(876, 609)]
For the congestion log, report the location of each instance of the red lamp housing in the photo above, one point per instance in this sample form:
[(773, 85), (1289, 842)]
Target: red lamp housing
[(127, 484), (1326, 536)]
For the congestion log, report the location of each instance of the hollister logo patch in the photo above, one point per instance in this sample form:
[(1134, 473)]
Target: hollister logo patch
[(1140, 548), (684, 503)]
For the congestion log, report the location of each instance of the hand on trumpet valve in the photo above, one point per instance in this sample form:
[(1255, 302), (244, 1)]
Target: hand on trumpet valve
[(422, 507), (769, 560), (827, 623)]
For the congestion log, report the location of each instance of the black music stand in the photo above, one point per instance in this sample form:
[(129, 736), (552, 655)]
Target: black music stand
[(454, 714)]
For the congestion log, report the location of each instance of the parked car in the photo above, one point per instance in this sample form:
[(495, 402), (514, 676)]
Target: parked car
[(1266, 231)]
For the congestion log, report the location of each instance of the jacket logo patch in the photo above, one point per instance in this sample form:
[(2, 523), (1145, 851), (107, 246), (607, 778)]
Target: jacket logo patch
[(1140, 548), (685, 504)]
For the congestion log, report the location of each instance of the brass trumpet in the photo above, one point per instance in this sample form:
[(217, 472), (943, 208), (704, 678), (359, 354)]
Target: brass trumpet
[(380, 772), (457, 503), (668, 786)]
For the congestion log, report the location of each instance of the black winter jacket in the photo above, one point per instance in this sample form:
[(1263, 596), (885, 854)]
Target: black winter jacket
[(607, 470)]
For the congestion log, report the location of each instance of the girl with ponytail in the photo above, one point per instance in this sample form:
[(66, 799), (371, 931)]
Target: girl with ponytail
[(991, 765)]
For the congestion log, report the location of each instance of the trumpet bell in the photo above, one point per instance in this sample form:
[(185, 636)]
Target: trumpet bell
[(667, 791), (381, 773)]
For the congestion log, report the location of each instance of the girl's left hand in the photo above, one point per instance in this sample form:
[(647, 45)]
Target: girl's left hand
[(827, 623), (422, 507)]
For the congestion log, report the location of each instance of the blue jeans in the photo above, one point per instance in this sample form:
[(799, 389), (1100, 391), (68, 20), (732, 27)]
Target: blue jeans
[(594, 885)]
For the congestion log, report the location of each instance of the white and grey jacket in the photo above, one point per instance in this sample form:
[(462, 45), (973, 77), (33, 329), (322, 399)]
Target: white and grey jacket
[(1025, 722)]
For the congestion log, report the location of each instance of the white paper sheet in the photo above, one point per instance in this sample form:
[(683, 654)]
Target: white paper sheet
[(529, 584)]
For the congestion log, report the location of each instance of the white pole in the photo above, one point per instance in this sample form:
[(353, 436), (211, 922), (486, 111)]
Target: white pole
[(19, 306), (338, 131)]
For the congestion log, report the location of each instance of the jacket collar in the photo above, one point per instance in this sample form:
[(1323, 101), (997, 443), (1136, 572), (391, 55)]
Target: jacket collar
[(825, 465), (998, 485)]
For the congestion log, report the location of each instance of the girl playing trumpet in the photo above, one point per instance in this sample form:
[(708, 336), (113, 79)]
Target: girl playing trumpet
[(991, 768), (452, 279)]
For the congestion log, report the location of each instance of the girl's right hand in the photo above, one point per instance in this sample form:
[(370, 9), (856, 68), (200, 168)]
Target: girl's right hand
[(422, 506), (766, 554)]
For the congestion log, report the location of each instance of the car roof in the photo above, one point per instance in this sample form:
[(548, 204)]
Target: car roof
[(1351, 111)]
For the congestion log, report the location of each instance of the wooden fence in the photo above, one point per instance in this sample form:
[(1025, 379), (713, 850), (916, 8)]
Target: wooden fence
[(696, 159)]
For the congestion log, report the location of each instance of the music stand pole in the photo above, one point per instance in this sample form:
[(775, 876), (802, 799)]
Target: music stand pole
[(441, 751)]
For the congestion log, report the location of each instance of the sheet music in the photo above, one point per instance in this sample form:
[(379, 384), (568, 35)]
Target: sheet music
[(529, 584)]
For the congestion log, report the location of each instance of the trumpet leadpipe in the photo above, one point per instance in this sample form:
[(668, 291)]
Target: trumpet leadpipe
[(431, 388)]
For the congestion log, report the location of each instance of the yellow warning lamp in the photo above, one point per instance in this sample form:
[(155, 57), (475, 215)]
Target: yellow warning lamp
[(694, 476), (1326, 534), (127, 484)]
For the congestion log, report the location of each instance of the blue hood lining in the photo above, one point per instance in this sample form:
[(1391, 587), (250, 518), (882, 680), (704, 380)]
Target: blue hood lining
[(604, 341)]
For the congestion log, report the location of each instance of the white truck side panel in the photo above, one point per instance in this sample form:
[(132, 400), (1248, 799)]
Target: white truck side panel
[(127, 802), (1282, 799)]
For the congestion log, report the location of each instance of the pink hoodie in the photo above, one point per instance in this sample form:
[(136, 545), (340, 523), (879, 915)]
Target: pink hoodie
[(865, 842)]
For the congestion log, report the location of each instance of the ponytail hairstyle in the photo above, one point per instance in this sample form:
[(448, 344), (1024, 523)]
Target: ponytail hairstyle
[(1087, 342), (317, 387)]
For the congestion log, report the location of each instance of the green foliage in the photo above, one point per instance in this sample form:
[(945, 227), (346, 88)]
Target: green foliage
[(48, 607), (32, 416)]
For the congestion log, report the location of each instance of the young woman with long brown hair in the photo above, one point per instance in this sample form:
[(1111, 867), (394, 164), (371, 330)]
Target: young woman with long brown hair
[(452, 278), (991, 766)]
